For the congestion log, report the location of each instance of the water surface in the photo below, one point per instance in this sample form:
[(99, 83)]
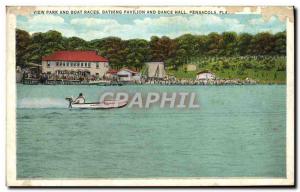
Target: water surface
[(238, 131)]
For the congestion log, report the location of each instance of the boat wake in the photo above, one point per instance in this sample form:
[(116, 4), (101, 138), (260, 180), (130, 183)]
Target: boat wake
[(41, 103)]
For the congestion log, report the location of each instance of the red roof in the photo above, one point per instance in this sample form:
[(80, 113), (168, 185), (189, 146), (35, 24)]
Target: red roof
[(75, 56), (112, 71)]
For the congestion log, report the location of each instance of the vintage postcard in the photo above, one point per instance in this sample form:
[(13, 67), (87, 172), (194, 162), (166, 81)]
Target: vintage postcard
[(150, 96)]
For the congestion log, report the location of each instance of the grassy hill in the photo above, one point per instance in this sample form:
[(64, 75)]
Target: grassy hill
[(271, 69)]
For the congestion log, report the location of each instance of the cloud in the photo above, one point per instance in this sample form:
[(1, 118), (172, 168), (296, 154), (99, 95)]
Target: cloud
[(273, 24), (261, 21), (93, 22), (45, 19), (196, 24), (144, 27), (42, 23)]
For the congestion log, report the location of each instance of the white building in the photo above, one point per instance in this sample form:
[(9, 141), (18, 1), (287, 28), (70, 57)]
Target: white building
[(126, 74), (205, 75), (75, 62)]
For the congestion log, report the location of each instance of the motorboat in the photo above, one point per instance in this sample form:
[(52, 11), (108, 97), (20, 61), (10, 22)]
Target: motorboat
[(106, 104)]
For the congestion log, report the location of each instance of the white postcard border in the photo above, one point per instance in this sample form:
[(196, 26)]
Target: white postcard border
[(11, 178)]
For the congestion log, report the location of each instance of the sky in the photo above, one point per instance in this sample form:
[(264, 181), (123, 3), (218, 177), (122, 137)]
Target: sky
[(144, 26)]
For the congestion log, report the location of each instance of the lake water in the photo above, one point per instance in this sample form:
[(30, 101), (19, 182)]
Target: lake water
[(238, 131)]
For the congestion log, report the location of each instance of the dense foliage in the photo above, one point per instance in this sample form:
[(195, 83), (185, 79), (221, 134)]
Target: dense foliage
[(174, 52)]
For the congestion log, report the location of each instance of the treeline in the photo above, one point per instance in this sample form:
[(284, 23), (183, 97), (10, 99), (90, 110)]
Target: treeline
[(134, 52)]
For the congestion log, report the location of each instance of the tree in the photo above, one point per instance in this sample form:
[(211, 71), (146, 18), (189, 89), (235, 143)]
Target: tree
[(262, 44), (137, 52), (243, 44), (23, 41), (188, 42), (280, 43), (213, 43), (45, 44), (112, 48), (228, 43), (75, 43), (162, 49)]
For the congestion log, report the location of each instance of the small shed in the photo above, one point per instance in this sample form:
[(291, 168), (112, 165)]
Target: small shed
[(111, 74), (205, 75), (126, 74), (191, 67)]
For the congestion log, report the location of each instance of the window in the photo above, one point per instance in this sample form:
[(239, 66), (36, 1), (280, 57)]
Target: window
[(48, 64), (81, 64), (60, 63), (89, 64), (85, 64), (64, 64), (57, 63), (97, 65)]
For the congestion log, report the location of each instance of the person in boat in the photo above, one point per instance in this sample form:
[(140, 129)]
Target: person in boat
[(80, 99)]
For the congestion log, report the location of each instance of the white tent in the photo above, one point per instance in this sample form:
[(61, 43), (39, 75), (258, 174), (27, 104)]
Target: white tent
[(156, 69)]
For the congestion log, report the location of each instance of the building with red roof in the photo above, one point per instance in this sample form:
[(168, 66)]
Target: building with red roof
[(75, 62)]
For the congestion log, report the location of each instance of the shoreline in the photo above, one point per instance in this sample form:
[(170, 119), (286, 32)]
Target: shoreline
[(149, 83)]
